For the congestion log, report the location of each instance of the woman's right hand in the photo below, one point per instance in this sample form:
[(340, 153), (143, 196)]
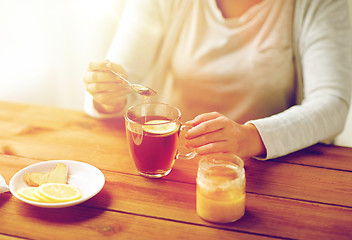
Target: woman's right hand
[(108, 90)]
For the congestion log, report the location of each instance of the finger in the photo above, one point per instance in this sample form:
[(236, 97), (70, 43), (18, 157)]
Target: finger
[(106, 65), (204, 128), (117, 68), (204, 117), (107, 87), (211, 148), (99, 65), (205, 139)]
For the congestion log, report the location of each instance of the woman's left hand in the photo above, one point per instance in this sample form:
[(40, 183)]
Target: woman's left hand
[(215, 133)]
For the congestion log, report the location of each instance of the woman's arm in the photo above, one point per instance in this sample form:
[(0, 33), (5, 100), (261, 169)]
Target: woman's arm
[(134, 46), (323, 57), (323, 60)]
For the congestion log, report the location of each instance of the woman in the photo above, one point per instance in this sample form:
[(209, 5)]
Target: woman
[(258, 78)]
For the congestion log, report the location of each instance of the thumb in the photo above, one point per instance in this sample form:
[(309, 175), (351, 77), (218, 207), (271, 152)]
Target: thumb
[(98, 65)]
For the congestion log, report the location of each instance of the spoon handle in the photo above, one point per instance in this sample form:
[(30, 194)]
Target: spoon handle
[(120, 76)]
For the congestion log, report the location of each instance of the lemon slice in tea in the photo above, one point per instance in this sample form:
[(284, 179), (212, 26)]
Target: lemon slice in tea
[(58, 192), (160, 127)]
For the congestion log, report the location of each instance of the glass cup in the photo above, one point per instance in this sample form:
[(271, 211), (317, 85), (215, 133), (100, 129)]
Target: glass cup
[(221, 188), (153, 131)]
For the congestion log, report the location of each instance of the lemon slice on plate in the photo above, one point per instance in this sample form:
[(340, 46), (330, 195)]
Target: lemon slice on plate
[(40, 197), (160, 127), (28, 193), (58, 192)]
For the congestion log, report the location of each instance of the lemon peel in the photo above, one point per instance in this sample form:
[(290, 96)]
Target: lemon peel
[(50, 193), (28, 193), (59, 192)]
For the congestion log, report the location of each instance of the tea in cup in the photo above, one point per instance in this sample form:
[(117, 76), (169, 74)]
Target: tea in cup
[(153, 131)]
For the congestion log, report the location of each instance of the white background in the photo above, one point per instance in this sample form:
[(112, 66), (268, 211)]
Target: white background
[(45, 46)]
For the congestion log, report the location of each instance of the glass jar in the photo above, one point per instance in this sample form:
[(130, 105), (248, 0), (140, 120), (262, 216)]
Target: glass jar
[(221, 188)]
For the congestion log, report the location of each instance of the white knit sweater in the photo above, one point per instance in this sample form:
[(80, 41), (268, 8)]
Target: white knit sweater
[(148, 32)]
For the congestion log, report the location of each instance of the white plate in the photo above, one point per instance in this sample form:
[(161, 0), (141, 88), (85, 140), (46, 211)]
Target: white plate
[(90, 180)]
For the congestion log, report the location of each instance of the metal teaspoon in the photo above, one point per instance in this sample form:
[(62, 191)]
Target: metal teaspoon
[(140, 89)]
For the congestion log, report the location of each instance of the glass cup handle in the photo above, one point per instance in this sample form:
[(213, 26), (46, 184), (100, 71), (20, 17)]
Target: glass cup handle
[(184, 154)]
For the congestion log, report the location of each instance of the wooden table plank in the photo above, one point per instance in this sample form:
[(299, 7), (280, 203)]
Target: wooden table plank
[(175, 201), (269, 177), (43, 120), (315, 220), (305, 195), (322, 155), (7, 237), (299, 182), (10, 110), (92, 223)]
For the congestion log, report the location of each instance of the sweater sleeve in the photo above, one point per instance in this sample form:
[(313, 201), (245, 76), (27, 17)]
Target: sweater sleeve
[(323, 62), (135, 45), (137, 38)]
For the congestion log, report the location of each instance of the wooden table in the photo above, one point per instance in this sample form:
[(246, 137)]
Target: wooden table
[(306, 195)]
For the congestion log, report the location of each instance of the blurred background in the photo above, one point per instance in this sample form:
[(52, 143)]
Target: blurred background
[(45, 47)]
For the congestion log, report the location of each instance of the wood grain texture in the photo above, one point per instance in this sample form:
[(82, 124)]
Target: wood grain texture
[(175, 201), (91, 223), (305, 195), (23, 127)]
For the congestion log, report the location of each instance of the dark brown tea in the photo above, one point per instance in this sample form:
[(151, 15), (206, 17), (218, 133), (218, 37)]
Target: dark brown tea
[(154, 146)]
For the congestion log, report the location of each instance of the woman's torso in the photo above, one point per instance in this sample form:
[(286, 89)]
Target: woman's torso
[(241, 67)]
